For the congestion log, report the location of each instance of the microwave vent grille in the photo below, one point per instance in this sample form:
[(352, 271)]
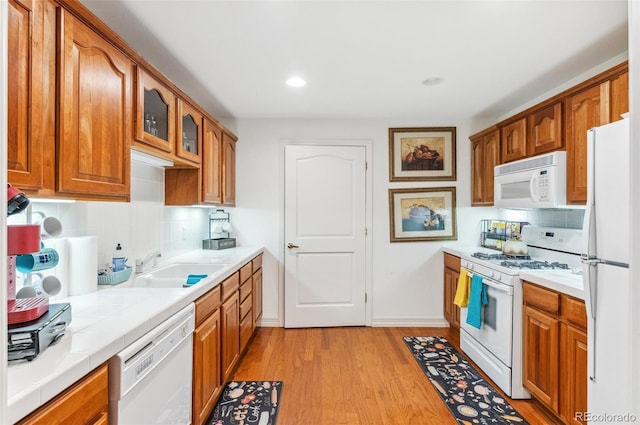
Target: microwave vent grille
[(530, 163)]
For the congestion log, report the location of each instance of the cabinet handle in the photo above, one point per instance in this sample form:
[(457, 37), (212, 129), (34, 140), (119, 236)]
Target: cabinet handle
[(290, 245)]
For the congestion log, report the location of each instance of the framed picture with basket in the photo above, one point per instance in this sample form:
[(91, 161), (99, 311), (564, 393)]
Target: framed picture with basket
[(422, 154), (425, 214)]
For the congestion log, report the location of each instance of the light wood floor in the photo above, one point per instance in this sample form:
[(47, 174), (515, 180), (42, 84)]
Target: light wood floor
[(355, 376)]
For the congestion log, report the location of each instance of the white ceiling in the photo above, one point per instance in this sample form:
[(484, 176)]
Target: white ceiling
[(367, 59)]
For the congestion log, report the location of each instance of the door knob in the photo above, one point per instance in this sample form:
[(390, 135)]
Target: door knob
[(290, 245)]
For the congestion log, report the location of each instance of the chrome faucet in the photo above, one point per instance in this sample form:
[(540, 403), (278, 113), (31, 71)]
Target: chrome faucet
[(140, 264)]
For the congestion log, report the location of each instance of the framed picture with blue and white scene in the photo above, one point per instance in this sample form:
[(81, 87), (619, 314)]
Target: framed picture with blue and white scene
[(425, 214)]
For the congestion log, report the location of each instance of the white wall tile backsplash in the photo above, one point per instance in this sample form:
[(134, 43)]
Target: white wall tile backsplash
[(566, 218), (141, 226)]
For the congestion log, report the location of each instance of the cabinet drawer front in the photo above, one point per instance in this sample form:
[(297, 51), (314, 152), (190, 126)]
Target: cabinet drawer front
[(451, 261), (230, 285), (541, 298), (206, 304), (245, 272), (246, 306), (84, 402), (245, 289), (574, 311), (256, 263)]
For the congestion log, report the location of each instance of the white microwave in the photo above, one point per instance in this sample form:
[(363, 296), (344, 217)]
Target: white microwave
[(537, 182)]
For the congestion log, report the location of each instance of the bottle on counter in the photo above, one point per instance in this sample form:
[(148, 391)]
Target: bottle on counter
[(119, 260)]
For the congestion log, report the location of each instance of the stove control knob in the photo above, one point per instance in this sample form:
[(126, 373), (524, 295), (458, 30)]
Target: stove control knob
[(493, 275), (497, 276), (470, 267)]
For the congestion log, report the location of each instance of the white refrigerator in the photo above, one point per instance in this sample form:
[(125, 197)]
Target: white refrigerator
[(605, 258)]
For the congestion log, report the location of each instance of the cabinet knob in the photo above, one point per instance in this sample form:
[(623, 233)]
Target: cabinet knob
[(291, 246)]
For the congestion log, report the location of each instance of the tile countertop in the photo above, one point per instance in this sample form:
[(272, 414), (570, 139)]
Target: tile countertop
[(104, 323), (561, 281), (557, 280)]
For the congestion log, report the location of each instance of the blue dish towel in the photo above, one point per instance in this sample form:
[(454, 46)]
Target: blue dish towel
[(477, 299), (192, 279)]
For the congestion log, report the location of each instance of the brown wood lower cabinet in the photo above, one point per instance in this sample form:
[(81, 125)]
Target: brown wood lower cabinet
[(84, 403), (451, 276), (230, 334), (207, 377), (573, 381), (224, 327), (541, 356), (207, 382), (257, 296), (555, 351)]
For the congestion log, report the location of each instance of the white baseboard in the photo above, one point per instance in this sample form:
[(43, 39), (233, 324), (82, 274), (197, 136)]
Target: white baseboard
[(382, 323), (409, 323), (270, 323)]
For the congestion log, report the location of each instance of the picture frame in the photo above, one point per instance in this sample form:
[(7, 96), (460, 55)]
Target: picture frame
[(422, 154), (422, 214)]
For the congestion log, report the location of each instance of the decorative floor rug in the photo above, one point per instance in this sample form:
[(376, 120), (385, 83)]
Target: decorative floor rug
[(468, 396), (247, 402)]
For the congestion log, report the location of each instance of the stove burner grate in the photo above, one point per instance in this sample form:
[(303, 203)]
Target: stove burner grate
[(485, 256), (534, 265)]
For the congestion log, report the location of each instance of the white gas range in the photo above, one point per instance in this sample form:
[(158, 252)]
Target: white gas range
[(496, 347)]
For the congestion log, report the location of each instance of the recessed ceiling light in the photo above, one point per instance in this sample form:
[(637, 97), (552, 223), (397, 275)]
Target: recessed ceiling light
[(432, 81), (296, 82)]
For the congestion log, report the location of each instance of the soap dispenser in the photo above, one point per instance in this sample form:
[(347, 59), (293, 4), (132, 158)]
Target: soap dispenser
[(119, 259)]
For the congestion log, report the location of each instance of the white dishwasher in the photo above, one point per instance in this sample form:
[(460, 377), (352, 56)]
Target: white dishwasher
[(150, 380)]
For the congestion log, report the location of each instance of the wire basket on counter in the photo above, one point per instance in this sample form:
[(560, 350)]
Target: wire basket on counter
[(114, 278), (219, 231), (495, 232)]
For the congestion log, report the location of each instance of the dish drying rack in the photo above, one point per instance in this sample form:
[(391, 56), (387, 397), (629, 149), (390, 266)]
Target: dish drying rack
[(495, 232), (219, 219)]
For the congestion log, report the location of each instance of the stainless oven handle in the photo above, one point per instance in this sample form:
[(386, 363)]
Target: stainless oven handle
[(497, 286)]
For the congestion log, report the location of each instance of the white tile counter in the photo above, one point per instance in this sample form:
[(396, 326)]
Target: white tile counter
[(105, 322), (560, 281), (467, 250)]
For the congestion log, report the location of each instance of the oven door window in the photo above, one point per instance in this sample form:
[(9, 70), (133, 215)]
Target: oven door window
[(496, 332)]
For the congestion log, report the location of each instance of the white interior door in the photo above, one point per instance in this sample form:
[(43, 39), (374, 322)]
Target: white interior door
[(325, 235)]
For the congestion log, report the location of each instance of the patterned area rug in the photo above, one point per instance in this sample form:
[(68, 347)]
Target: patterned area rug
[(247, 402), (468, 396)]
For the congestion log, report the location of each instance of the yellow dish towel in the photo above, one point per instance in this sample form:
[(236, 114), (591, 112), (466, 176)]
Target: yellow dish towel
[(464, 289)]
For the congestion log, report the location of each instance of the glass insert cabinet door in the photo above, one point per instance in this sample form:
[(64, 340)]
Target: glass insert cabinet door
[(155, 113), (189, 143)]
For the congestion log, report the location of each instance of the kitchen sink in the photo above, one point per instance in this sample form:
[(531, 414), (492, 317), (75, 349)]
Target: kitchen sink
[(175, 275), (182, 270)]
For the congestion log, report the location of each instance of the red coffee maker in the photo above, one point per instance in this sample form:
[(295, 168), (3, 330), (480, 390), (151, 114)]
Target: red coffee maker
[(21, 239)]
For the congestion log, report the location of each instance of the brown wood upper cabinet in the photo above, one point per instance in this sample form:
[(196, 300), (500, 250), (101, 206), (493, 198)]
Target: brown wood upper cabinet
[(594, 106), (228, 169), (619, 96), (485, 155), (545, 130), (189, 129), (30, 96), (514, 140), (155, 113), (212, 163), (585, 110), (207, 184), (558, 123), (95, 114)]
